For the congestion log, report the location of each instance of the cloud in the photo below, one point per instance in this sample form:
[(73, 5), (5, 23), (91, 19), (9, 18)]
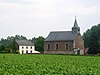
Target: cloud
[(42, 7), (16, 1), (41, 16), (80, 8)]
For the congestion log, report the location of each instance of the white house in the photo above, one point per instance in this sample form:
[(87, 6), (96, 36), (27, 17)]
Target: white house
[(25, 47)]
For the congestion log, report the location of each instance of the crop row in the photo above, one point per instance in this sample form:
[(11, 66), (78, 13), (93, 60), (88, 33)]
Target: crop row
[(16, 64)]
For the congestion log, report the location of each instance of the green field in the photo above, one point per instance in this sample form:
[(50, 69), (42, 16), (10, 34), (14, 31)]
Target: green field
[(15, 64)]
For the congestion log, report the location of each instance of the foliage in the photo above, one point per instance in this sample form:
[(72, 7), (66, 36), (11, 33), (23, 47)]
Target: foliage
[(2, 48), (93, 44), (39, 43), (92, 39), (9, 44), (15, 64), (86, 37)]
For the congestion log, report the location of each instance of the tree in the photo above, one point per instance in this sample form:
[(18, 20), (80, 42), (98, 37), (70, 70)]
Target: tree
[(2, 48), (13, 46), (92, 39), (86, 37), (39, 43), (18, 37), (9, 44), (93, 44)]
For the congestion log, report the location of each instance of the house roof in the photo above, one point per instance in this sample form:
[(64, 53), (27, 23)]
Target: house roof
[(24, 43), (60, 36)]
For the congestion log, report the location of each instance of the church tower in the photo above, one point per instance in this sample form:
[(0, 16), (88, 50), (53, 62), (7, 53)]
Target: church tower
[(75, 28)]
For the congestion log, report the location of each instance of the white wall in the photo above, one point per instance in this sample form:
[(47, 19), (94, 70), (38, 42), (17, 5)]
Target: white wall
[(25, 49), (82, 52)]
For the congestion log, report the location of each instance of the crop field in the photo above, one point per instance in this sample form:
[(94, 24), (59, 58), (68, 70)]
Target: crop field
[(30, 64)]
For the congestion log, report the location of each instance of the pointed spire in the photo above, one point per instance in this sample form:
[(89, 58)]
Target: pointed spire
[(76, 28), (75, 23)]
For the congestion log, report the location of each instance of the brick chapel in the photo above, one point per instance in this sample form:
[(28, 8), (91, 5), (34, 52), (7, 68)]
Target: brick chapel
[(65, 42)]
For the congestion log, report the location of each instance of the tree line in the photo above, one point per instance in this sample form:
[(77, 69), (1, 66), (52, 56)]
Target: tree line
[(8, 45), (92, 40)]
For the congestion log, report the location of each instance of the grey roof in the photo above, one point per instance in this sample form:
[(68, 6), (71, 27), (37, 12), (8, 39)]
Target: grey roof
[(60, 36), (24, 43)]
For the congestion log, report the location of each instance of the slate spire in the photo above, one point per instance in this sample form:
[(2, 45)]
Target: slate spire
[(75, 23), (75, 28)]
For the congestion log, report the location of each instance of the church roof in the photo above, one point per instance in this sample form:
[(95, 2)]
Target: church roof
[(60, 36), (64, 35), (24, 43)]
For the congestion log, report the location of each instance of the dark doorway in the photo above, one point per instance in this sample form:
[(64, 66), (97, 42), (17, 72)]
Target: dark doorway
[(22, 52), (31, 51), (26, 51)]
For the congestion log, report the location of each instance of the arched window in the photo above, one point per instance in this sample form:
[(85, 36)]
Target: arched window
[(57, 46), (67, 46), (48, 46)]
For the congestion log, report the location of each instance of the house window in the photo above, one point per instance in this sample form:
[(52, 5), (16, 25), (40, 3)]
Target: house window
[(26, 51), (48, 46), (31, 47), (66, 46), (57, 46), (26, 47), (22, 47)]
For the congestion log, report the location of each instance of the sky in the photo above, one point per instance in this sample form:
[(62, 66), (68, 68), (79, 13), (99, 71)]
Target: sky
[(33, 18)]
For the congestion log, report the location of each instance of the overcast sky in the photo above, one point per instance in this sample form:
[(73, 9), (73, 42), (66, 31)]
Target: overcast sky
[(33, 18)]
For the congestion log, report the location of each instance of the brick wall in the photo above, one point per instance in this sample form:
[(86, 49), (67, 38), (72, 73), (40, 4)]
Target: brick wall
[(61, 47), (79, 43)]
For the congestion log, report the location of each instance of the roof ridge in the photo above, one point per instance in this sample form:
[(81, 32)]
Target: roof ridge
[(24, 42), (60, 31), (60, 36)]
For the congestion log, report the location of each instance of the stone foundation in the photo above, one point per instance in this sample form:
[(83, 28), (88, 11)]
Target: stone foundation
[(59, 52)]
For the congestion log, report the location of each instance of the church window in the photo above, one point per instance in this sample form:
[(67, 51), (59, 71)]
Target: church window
[(57, 46), (67, 46), (48, 46)]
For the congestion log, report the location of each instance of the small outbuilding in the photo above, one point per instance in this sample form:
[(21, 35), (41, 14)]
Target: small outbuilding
[(25, 47)]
